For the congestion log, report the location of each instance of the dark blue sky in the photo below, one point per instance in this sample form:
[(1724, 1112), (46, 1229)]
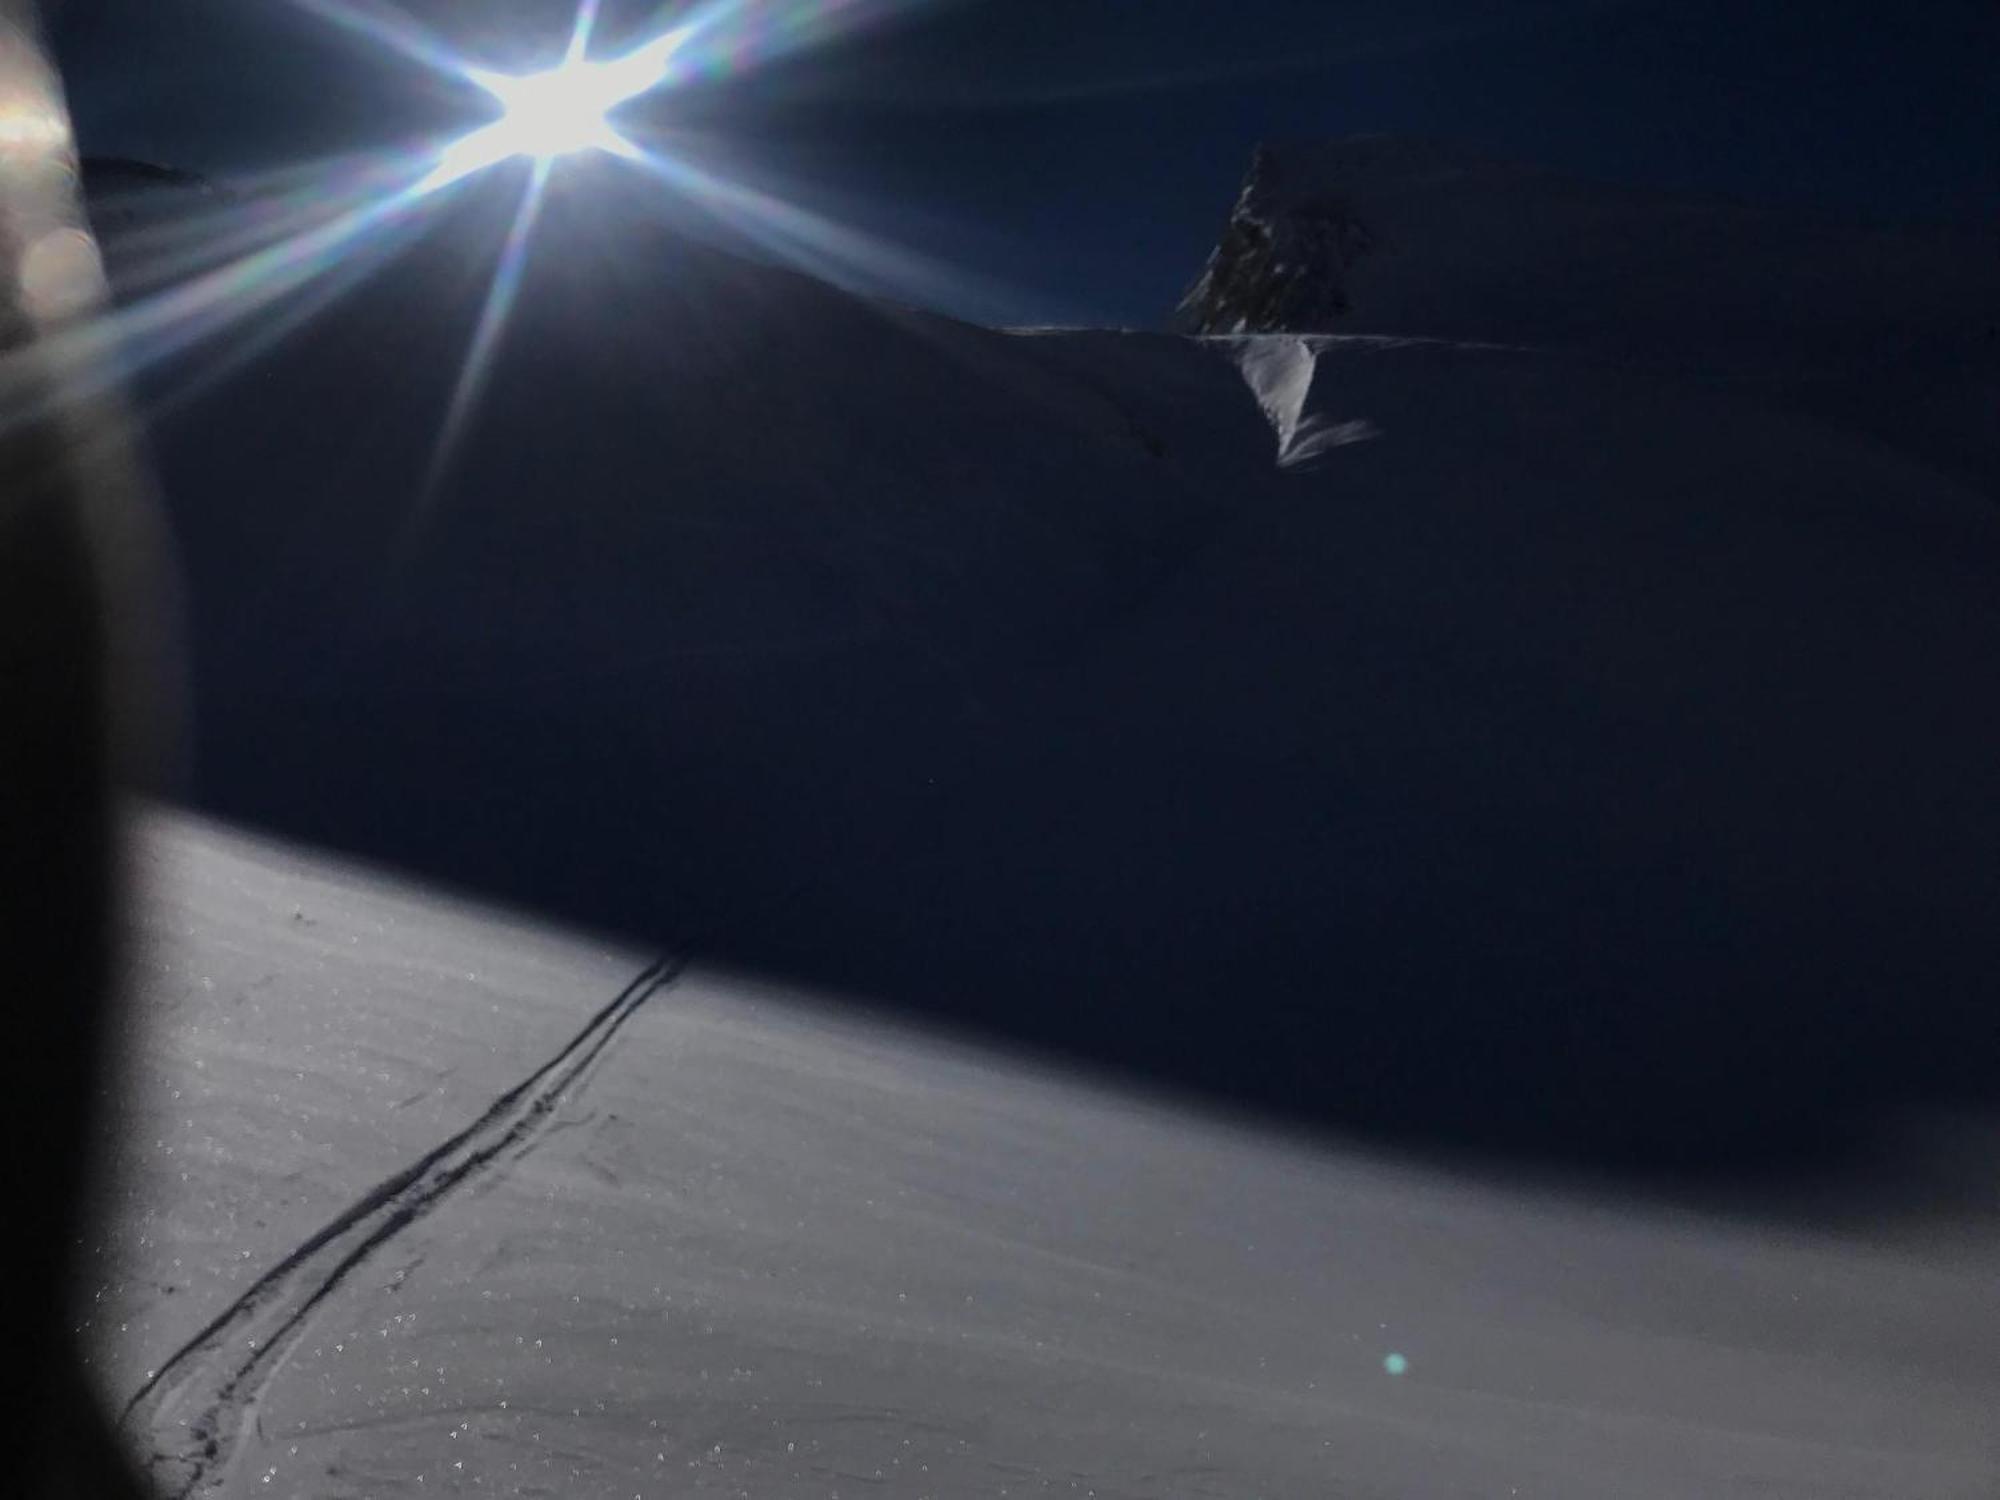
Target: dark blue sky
[(1075, 157)]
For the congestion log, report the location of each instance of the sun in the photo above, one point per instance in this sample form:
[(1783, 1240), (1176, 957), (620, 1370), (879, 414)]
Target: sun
[(555, 113), (559, 112)]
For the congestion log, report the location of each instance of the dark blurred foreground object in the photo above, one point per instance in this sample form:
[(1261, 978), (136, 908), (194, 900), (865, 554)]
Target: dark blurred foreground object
[(68, 503)]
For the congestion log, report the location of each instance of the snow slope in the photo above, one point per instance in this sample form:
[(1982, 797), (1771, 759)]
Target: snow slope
[(761, 1248), (1552, 735), (715, 534), (1557, 752)]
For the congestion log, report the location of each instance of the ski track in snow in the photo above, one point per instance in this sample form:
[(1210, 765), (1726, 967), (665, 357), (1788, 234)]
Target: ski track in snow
[(196, 1407)]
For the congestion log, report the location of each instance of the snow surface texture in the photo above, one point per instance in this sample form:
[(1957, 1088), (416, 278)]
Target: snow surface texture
[(761, 1249)]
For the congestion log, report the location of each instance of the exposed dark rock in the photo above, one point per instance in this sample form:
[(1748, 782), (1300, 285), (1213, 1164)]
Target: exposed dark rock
[(1283, 260)]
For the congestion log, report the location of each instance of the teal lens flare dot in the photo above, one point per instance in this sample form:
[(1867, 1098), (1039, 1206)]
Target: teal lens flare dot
[(1395, 1364)]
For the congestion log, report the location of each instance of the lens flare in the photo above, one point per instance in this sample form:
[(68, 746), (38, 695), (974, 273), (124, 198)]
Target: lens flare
[(236, 267)]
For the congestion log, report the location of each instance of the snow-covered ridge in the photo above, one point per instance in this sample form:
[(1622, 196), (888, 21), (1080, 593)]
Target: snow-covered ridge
[(1444, 241), (1892, 332)]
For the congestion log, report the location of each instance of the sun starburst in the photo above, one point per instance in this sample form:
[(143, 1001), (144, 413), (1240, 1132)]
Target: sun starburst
[(258, 259), (564, 110)]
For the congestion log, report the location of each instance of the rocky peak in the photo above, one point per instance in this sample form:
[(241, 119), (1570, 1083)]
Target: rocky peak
[(1283, 261)]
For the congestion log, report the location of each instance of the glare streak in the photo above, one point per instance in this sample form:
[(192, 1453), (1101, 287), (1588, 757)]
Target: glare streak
[(393, 28), (257, 279), (306, 242), (730, 37), (485, 345)]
